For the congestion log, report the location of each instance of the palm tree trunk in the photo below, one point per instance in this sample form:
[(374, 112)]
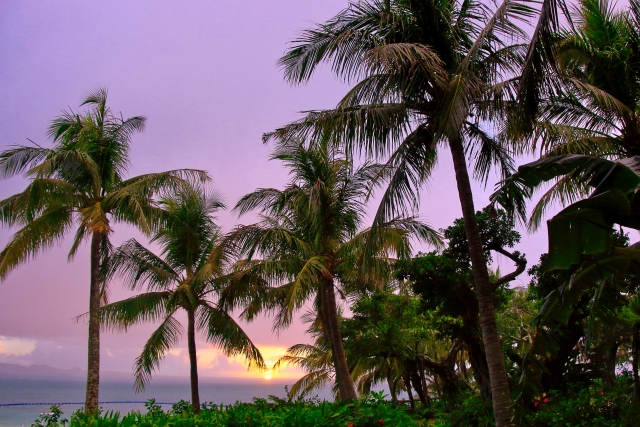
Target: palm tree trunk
[(343, 377), (495, 359), (93, 360), (193, 360), (635, 350)]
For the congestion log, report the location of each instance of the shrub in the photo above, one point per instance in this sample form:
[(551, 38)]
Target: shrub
[(50, 419), (582, 408), (370, 412), (472, 412)]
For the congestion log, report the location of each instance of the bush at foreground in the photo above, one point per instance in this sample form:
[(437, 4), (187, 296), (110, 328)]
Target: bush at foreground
[(582, 405), (371, 412)]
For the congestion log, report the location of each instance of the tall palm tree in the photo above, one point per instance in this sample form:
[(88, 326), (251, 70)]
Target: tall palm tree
[(310, 243), (194, 262), (431, 74), (80, 182)]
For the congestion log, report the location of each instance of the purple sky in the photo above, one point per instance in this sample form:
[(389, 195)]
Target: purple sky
[(204, 74)]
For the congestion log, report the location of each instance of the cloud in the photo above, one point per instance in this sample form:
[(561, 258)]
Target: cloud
[(175, 351), (10, 346)]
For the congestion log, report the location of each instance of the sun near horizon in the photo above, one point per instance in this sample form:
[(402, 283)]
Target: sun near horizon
[(268, 374)]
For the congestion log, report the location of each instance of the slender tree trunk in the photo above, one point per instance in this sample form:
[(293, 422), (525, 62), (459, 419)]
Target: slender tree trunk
[(495, 359), (635, 350), (417, 383), (193, 360), (343, 376), (610, 365), (463, 365), (392, 389), (423, 381), (407, 384), (93, 360), (478, 362), (436, 382)]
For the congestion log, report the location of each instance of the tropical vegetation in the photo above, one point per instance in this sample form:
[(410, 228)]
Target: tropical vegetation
[(431, 74), (454, 339), (188, 275), (81, 182), (310, 244)]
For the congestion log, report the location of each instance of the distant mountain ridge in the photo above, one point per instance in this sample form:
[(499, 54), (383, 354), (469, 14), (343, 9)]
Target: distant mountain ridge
[(9, 370)]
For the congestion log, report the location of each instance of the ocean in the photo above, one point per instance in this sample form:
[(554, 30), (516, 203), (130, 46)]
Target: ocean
[(31, 390)]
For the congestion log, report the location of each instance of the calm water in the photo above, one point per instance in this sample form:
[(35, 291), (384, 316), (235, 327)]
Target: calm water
[(72, 390)]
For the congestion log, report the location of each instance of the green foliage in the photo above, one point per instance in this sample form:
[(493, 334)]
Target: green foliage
[(583, 408), (385, 325), (514, 322), (496, 231), (51, 418), (370, 412), (153, 409), (444, 280), (472, 412), (182, 407)]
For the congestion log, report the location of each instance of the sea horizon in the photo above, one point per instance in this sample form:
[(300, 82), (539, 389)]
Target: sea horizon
[(36, 394)]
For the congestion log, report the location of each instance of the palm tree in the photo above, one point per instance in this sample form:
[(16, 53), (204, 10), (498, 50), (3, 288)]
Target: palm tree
[(431, 74), (310, 242), (80, 182), (194, 262), (594, 107), (315, 359)]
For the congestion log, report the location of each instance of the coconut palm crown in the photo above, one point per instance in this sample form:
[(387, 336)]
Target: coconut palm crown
[(187, 276), (80, 183)]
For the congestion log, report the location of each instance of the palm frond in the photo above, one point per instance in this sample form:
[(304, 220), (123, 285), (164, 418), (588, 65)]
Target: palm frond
[(605, 101), (374, 128), (131, 201), (487, 151), (40, 234), (344, 40), (309, 382), (20, 158), (147, 307), (162, 339), (223, 331), (566, 190), (305, 283), (138, 267), (512, 192)]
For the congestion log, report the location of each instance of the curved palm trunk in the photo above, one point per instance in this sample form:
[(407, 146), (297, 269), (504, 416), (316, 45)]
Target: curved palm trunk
[(193, 360), (93, 364), (495, 359), (343, 377)]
